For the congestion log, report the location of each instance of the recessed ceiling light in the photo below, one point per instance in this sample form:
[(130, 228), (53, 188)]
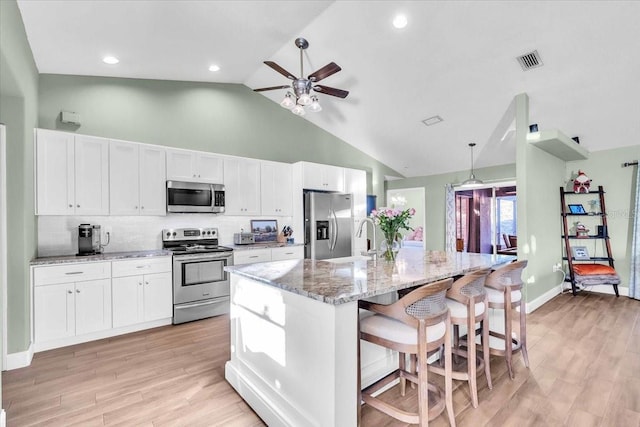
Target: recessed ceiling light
[(432, 120), (400, 21), (214, 68), (111, 60)]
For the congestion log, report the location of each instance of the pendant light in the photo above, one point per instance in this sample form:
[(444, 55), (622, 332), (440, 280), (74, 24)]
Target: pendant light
[(472, 181)]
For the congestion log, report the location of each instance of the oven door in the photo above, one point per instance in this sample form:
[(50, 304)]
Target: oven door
[(200, 276)]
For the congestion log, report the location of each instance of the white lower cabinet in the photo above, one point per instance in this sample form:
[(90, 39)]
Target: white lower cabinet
[(79, 302), (69, 309), (139, 297), (287, 252)]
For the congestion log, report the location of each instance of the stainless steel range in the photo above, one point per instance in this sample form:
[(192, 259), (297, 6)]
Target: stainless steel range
[(200, 284)]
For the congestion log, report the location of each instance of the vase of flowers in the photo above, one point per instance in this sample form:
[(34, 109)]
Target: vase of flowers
[(391, 221)]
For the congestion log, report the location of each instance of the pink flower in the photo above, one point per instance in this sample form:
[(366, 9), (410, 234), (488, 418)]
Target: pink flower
[(412, 211)]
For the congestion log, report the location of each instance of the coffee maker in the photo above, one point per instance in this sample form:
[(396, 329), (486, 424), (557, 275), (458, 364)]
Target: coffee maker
[(89, 241)]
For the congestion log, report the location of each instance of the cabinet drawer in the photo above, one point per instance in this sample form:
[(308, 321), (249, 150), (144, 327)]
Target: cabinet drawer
[(294, 252), (251, 256), (71, 273), (133, 267)]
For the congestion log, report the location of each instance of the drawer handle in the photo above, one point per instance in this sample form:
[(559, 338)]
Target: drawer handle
[(74, 272), (142, 266), (253, 256), (69, 292)]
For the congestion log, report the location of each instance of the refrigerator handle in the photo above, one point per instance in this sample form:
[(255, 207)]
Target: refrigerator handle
[(335, 230)]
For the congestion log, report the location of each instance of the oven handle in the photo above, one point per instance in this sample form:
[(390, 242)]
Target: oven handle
[(200, 304), (210, 256)]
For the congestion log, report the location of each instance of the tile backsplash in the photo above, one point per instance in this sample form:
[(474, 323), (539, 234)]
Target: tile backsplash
[(58, 235)]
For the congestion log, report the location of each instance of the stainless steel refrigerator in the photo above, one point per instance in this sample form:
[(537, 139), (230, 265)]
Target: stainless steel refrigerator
[(327, 225)]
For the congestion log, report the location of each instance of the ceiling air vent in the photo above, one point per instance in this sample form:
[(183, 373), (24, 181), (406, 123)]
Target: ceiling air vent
[(530, 60)]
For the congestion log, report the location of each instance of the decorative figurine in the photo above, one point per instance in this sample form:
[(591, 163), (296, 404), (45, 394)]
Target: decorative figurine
[(582, 183), (581, 230)]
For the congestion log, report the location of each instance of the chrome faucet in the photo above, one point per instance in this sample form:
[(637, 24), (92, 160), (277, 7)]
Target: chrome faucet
[(363, 221)]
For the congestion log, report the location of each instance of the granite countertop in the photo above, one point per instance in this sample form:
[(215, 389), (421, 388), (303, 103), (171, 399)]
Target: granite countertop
[(268, 245), (341, 282), (65, 259)]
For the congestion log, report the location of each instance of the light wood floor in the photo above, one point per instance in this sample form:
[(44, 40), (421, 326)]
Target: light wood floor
[(585, 371)]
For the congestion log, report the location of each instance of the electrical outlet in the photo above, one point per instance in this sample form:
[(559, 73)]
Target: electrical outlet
[(557, 267)]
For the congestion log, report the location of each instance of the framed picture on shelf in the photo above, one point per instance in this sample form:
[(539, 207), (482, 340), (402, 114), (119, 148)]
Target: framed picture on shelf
[(577, 209), (580, 253)]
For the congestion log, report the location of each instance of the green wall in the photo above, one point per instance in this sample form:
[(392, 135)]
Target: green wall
[(605, 168), (18, 111), (215, 117), (434, 189)]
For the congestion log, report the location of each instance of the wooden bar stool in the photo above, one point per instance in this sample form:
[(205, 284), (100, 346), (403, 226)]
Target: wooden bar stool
[(467, 302), (504, 291), (417, 324)]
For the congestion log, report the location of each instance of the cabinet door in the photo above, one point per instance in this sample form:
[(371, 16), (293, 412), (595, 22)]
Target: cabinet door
[(313, 176), (287, 252), (181, 165), (209, 168), (93, 306), (153, 193), (158, 297), (92, 175), (356, 184), (127, 295), (276, 188), (333, 178), (54, 313), (124, 191), (54, 173), (242, 185), (251, 255)]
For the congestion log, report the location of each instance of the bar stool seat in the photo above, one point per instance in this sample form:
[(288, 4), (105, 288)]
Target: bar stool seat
[(417, 324), (497, 297), (460, 310), (391, 329)]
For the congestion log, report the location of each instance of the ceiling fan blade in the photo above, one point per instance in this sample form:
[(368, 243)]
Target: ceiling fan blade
[(324, 72), (262, 89), (280, 70), (331, 91)]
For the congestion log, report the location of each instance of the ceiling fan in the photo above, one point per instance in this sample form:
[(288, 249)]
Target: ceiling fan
[(303, 88)]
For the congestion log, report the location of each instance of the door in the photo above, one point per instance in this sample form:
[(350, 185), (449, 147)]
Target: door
[(157, 299), (123, 178), (340, 227), (54, 311), (242, 186), (209, 168), (320, 225), (55, 185), (181, 165), (153, 191), (93, 306), (483, 215), (91, 175), (127, 295), (276, 187)]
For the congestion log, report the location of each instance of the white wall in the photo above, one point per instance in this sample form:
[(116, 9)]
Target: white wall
[(58, 235)]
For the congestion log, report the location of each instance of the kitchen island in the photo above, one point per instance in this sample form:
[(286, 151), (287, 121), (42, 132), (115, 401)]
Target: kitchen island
[(294, 330)]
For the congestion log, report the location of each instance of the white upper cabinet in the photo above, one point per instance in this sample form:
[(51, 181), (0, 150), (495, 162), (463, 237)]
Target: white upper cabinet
[(276, 184), (72, 174), (137, 179), (242, 186), (322, 177), (356, 184), (194, 166), (153, 181)]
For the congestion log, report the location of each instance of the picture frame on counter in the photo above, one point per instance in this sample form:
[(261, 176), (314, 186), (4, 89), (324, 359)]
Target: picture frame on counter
[(264, 230)]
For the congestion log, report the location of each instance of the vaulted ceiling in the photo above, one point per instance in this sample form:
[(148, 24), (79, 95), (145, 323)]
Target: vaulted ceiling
[(456, 60)]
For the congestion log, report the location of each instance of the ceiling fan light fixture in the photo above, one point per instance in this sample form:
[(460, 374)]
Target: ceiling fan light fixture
[(305, 99), (288, 101), (315, 106), (400, 21), (298, 110)]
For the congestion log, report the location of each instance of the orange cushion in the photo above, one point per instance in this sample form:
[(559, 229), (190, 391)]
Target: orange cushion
[(587, 269)]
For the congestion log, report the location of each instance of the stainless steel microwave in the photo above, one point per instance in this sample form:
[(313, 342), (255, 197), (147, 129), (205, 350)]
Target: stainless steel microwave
[(190, 197)]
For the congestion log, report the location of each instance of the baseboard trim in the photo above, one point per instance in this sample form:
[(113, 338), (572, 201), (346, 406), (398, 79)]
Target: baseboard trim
[(3, 418), (544, 298), (21, 359), (607, 289)]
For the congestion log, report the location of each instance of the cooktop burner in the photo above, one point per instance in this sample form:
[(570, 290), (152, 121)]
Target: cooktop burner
[(192, 240)]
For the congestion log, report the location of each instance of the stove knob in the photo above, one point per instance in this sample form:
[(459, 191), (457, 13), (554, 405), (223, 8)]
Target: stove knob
[(174, 234), (168, 234), (208, 232)]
